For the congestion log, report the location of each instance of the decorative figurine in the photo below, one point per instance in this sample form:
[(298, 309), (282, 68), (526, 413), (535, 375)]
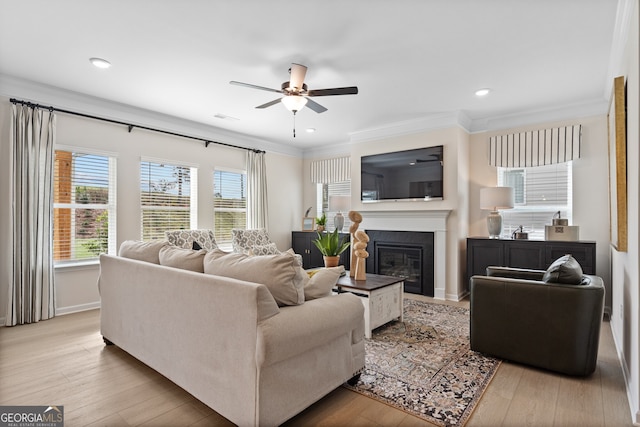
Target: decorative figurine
[(355, 219), (360, 251)]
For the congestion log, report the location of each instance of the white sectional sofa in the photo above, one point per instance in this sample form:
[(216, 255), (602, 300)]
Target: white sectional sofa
[(226, 340)]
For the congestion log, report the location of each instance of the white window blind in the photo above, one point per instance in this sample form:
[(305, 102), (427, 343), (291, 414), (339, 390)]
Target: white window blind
[(229, 204), (323, 194), (168, 198), (84, 206), (539, 192)]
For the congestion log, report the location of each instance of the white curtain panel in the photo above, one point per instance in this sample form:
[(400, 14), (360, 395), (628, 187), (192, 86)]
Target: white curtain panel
[(257, 209), (31, 284)]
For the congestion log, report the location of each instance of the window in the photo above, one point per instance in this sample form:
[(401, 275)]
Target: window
[(84, 206), (540, 192), (167, 198), (229, 204), (323, 193)]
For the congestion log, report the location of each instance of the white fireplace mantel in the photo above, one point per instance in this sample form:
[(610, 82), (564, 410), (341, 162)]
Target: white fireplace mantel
[(423, 220)]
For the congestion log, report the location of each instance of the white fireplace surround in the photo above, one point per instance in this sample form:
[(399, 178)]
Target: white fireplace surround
[(433, 221)]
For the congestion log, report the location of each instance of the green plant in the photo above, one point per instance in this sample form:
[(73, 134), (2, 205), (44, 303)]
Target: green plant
[(322, 220), (331, 244)]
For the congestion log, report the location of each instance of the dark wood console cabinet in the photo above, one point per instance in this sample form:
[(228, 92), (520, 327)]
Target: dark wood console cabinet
[(535, 254), (302, 243)]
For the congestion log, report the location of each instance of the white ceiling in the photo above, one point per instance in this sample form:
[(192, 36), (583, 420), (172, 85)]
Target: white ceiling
[(412, 60)]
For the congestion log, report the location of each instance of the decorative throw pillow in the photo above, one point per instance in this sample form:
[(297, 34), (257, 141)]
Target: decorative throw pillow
[(564, 270), (142, 251), (186, 259), (321, 282), (243, 240), (268, 249), (280, 273), (185, 238)]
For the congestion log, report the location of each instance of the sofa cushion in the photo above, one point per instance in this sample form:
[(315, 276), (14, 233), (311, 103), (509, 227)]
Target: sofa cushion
[(280, 273), (564, 270), (321, 282), (142, 251), (186, 259)]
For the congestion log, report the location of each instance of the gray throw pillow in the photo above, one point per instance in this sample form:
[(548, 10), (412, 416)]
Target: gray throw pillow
[(564, 270)]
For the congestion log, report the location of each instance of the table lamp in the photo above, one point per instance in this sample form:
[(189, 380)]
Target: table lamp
[(492, 199)]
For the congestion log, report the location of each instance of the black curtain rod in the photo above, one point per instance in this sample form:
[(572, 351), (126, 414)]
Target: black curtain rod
[(129, 125)]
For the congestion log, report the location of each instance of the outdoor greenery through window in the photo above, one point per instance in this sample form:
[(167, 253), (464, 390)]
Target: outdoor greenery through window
[(167, 198), (229, 204), (540, 192), (323, 194), (84, 206)]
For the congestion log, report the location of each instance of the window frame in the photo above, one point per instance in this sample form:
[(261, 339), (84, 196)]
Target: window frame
[(110, 207), (527, 206)]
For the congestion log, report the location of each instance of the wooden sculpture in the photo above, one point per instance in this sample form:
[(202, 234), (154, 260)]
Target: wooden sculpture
[(361, 254), (355, 219)]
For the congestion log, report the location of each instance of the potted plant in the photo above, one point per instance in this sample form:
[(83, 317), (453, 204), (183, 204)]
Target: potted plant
[(321, 222), (331, 245)]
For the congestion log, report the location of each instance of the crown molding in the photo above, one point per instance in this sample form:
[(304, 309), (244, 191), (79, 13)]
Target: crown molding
[(569, 112), (431, 122), (16, 87)]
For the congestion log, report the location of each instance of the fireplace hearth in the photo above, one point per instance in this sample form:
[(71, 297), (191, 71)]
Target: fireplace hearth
[(405, 254)]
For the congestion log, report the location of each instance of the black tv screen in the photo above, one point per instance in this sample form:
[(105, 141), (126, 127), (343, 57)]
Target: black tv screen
[(401, 175)]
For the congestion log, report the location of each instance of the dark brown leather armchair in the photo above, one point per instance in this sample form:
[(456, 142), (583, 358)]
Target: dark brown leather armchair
[(517, 316)]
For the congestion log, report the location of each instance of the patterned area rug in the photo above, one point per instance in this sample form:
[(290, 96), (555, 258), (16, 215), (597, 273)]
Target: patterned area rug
[(424, 366)]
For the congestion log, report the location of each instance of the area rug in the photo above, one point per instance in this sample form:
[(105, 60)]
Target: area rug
[(424, 366)]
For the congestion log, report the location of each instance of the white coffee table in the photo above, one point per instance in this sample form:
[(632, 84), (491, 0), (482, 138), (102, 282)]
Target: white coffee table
[(382, 297)]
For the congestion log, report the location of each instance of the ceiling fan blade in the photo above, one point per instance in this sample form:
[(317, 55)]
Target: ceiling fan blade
[(255, 86), (351, 90), (269, 104), (315, 106), (297, 76)]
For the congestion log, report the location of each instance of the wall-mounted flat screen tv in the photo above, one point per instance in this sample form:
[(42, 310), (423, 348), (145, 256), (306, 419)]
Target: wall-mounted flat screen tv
[(402, 175)]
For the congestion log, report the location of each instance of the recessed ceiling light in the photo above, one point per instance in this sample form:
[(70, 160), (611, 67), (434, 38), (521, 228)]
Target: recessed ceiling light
[(483, 92), (100, 63), (311, 130)]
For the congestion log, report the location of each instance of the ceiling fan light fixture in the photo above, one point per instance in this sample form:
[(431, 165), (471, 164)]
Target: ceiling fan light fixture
[(294, 102)]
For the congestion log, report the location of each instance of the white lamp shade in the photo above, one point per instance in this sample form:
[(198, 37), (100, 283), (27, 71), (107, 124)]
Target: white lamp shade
[(339, 203), (494, 198), (294, 102)]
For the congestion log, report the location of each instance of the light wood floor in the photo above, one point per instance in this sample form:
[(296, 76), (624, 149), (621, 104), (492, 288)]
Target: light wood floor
[(63, 361)]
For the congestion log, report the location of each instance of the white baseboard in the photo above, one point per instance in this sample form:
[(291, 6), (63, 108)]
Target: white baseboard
[(61, 311), (635, 413)]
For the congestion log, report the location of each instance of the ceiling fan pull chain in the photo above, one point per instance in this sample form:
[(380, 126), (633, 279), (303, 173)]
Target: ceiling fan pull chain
[(294, 123)]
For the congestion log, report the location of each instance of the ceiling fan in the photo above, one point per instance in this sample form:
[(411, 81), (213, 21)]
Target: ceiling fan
[(296, 93)]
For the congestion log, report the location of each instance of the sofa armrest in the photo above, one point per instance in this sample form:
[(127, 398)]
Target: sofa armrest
[(297, 329), (515, 273)]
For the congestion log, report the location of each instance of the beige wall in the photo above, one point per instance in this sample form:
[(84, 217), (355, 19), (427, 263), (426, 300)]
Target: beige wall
[(76, 286), (590, 186), (455, 142)]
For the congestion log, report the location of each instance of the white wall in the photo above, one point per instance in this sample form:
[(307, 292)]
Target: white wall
[(76, 286), (625, 270)]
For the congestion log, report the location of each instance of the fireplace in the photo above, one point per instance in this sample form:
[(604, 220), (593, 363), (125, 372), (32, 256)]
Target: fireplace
[(405, 254)]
